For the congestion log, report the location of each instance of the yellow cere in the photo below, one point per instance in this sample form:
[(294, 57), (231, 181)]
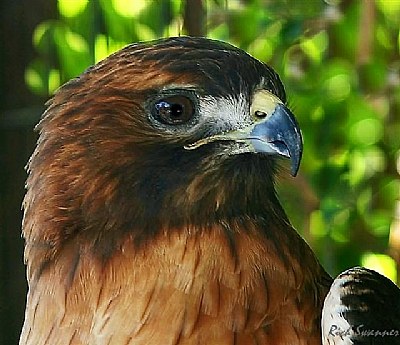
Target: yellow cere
[(264, 101)]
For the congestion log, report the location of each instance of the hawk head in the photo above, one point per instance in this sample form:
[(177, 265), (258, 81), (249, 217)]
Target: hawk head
[(151, 214), (176, 131)]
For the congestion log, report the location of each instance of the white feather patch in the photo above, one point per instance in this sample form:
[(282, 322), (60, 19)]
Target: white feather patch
[(225, 113), (335, 329)]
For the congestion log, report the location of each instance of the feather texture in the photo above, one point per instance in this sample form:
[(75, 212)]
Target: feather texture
[(181, 288), (131, 239)]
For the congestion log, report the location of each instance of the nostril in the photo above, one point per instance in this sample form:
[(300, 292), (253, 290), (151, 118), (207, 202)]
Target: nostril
[(260, 114)]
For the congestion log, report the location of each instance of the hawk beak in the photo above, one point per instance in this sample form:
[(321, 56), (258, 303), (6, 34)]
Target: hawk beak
[(274, 130), (279, 134)]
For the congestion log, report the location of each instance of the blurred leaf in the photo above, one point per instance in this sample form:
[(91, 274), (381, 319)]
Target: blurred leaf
[(391, 9), (35, 77), (318, 225), (54, 80), (379, 222), (71, 8), (128, 8), (73, 51), (345, 32), (314, 47), (43, 38), (144, 32), (381, 263), (366, 132)]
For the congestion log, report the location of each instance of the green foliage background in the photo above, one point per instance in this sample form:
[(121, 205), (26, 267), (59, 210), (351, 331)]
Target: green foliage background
[(340, 63)]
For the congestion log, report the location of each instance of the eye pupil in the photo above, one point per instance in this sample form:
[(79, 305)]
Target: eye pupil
[(174, 110)]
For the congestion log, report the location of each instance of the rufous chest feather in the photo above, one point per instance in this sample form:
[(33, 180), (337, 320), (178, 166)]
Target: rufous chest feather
[(179, 288)]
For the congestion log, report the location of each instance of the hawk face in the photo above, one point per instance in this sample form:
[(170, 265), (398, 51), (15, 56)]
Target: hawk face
[(177, 131)]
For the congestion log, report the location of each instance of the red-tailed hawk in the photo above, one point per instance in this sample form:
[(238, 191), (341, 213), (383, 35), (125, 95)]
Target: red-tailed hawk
[(151, 215)]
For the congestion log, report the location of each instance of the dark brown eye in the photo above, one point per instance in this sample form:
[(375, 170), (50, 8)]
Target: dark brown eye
[(174, 110)]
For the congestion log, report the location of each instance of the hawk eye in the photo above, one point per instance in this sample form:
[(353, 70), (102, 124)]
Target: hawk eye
[(174, 110)]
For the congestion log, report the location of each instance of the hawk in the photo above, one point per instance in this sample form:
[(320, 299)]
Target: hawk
[(151, 214)]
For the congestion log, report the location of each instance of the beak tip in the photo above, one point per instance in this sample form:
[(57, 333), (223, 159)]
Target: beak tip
[(294, 169), (295, 158)]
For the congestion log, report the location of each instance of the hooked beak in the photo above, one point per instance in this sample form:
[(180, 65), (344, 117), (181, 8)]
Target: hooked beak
[(279, 134), (274, 131)]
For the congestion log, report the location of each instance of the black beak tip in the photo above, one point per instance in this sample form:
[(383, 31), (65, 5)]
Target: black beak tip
[(295, 159)]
